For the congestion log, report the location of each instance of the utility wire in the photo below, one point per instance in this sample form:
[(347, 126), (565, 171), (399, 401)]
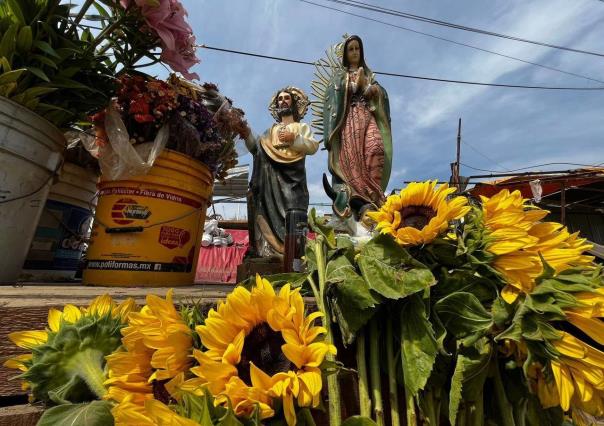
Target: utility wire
[(454, 42), (405, 15), (416, 77), (530, 167), (485, 156)]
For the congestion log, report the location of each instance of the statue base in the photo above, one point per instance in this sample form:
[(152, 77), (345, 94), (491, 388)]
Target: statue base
[(259, 265)]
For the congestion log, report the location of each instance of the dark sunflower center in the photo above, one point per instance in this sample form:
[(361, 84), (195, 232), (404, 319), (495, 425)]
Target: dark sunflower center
[(160, 392), (416, 216), (262, 347)]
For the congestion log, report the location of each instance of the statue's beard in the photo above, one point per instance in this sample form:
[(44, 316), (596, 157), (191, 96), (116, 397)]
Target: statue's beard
[(285, 111)]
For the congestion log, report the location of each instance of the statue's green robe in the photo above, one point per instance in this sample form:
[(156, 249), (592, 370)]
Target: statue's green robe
[(335, 108)]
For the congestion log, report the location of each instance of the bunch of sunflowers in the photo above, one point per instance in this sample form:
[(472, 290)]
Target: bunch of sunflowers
[(256, 358), (472, 311), (457, 311)]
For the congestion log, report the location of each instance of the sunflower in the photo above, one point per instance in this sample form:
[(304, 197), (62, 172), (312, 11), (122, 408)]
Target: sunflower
[(66, 363), (517, 239), (156, 349), (579, 375), (420, 213), (260, 346), (575, 379)]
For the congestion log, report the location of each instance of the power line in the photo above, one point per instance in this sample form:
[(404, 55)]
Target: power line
[(416, 77), (531, 167), (405, 15), (454, 42), (484, 155)]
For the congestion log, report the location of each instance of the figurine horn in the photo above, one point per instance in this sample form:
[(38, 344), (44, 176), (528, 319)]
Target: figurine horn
[(328, 188)]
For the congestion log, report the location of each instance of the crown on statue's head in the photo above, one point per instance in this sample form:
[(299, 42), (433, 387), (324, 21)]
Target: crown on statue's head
[(340, 46)]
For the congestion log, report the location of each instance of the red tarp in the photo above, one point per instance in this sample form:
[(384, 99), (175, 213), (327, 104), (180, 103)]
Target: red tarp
[(219, 264)]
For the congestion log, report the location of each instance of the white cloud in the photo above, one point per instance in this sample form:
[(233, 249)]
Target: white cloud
[(527, 19)]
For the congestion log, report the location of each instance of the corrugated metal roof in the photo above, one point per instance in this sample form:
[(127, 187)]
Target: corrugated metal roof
[(235, 184)]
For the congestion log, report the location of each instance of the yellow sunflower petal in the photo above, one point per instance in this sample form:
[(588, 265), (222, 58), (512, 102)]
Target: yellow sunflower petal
[(124, 308), (101, 305), (594, 328), (564, 384), (161, 414), (570, 346), (313, 384), (128, 413), (28, 339), (54, 319), (18, 362), (71, 313)]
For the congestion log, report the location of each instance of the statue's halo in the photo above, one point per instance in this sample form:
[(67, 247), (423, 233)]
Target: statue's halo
[(302, 102)]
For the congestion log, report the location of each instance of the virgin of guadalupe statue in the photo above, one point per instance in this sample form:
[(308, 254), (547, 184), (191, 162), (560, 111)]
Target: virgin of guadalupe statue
[(278, 180), (355, 122)]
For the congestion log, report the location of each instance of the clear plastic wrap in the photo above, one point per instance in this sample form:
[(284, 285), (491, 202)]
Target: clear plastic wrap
[(118, 158)]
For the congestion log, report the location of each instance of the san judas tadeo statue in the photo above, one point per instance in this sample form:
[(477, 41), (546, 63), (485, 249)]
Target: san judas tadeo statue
[(278, 180), (353, 114)]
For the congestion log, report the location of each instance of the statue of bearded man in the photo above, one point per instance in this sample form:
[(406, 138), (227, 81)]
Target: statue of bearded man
[(278, 180)]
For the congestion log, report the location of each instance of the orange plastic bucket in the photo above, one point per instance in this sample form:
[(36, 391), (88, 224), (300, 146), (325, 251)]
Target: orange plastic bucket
[(147, 229)]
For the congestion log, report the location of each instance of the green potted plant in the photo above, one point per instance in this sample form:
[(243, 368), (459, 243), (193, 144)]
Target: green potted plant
[(58, 66)]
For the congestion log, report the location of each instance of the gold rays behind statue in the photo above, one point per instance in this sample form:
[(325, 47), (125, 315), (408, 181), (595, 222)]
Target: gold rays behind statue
[(325, 68)]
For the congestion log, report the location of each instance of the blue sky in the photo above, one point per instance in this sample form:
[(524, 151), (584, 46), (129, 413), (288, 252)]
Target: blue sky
[(511, 128)]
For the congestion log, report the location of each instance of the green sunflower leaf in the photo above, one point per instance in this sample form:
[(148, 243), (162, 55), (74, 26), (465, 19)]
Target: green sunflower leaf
[(310, 257), (502, 312), (463, 315), (195, 408), (538, 329), (467, 383), (391, 271), (319, 225), (419, 345), (352, 302), (96, 413)]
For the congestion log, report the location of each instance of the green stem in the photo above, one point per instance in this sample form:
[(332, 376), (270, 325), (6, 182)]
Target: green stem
[(333, 387), (88, 364), (315, 292), (307, 417), (476, 415), (505, 408), (520, 412), (392, 385), (430, 407), (410, 407), (81, 14), (364, 398), (374, 369), (409, 400), (99, 39)]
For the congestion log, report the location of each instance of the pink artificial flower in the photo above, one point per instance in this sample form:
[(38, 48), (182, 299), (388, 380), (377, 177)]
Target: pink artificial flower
[(167, 19)]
